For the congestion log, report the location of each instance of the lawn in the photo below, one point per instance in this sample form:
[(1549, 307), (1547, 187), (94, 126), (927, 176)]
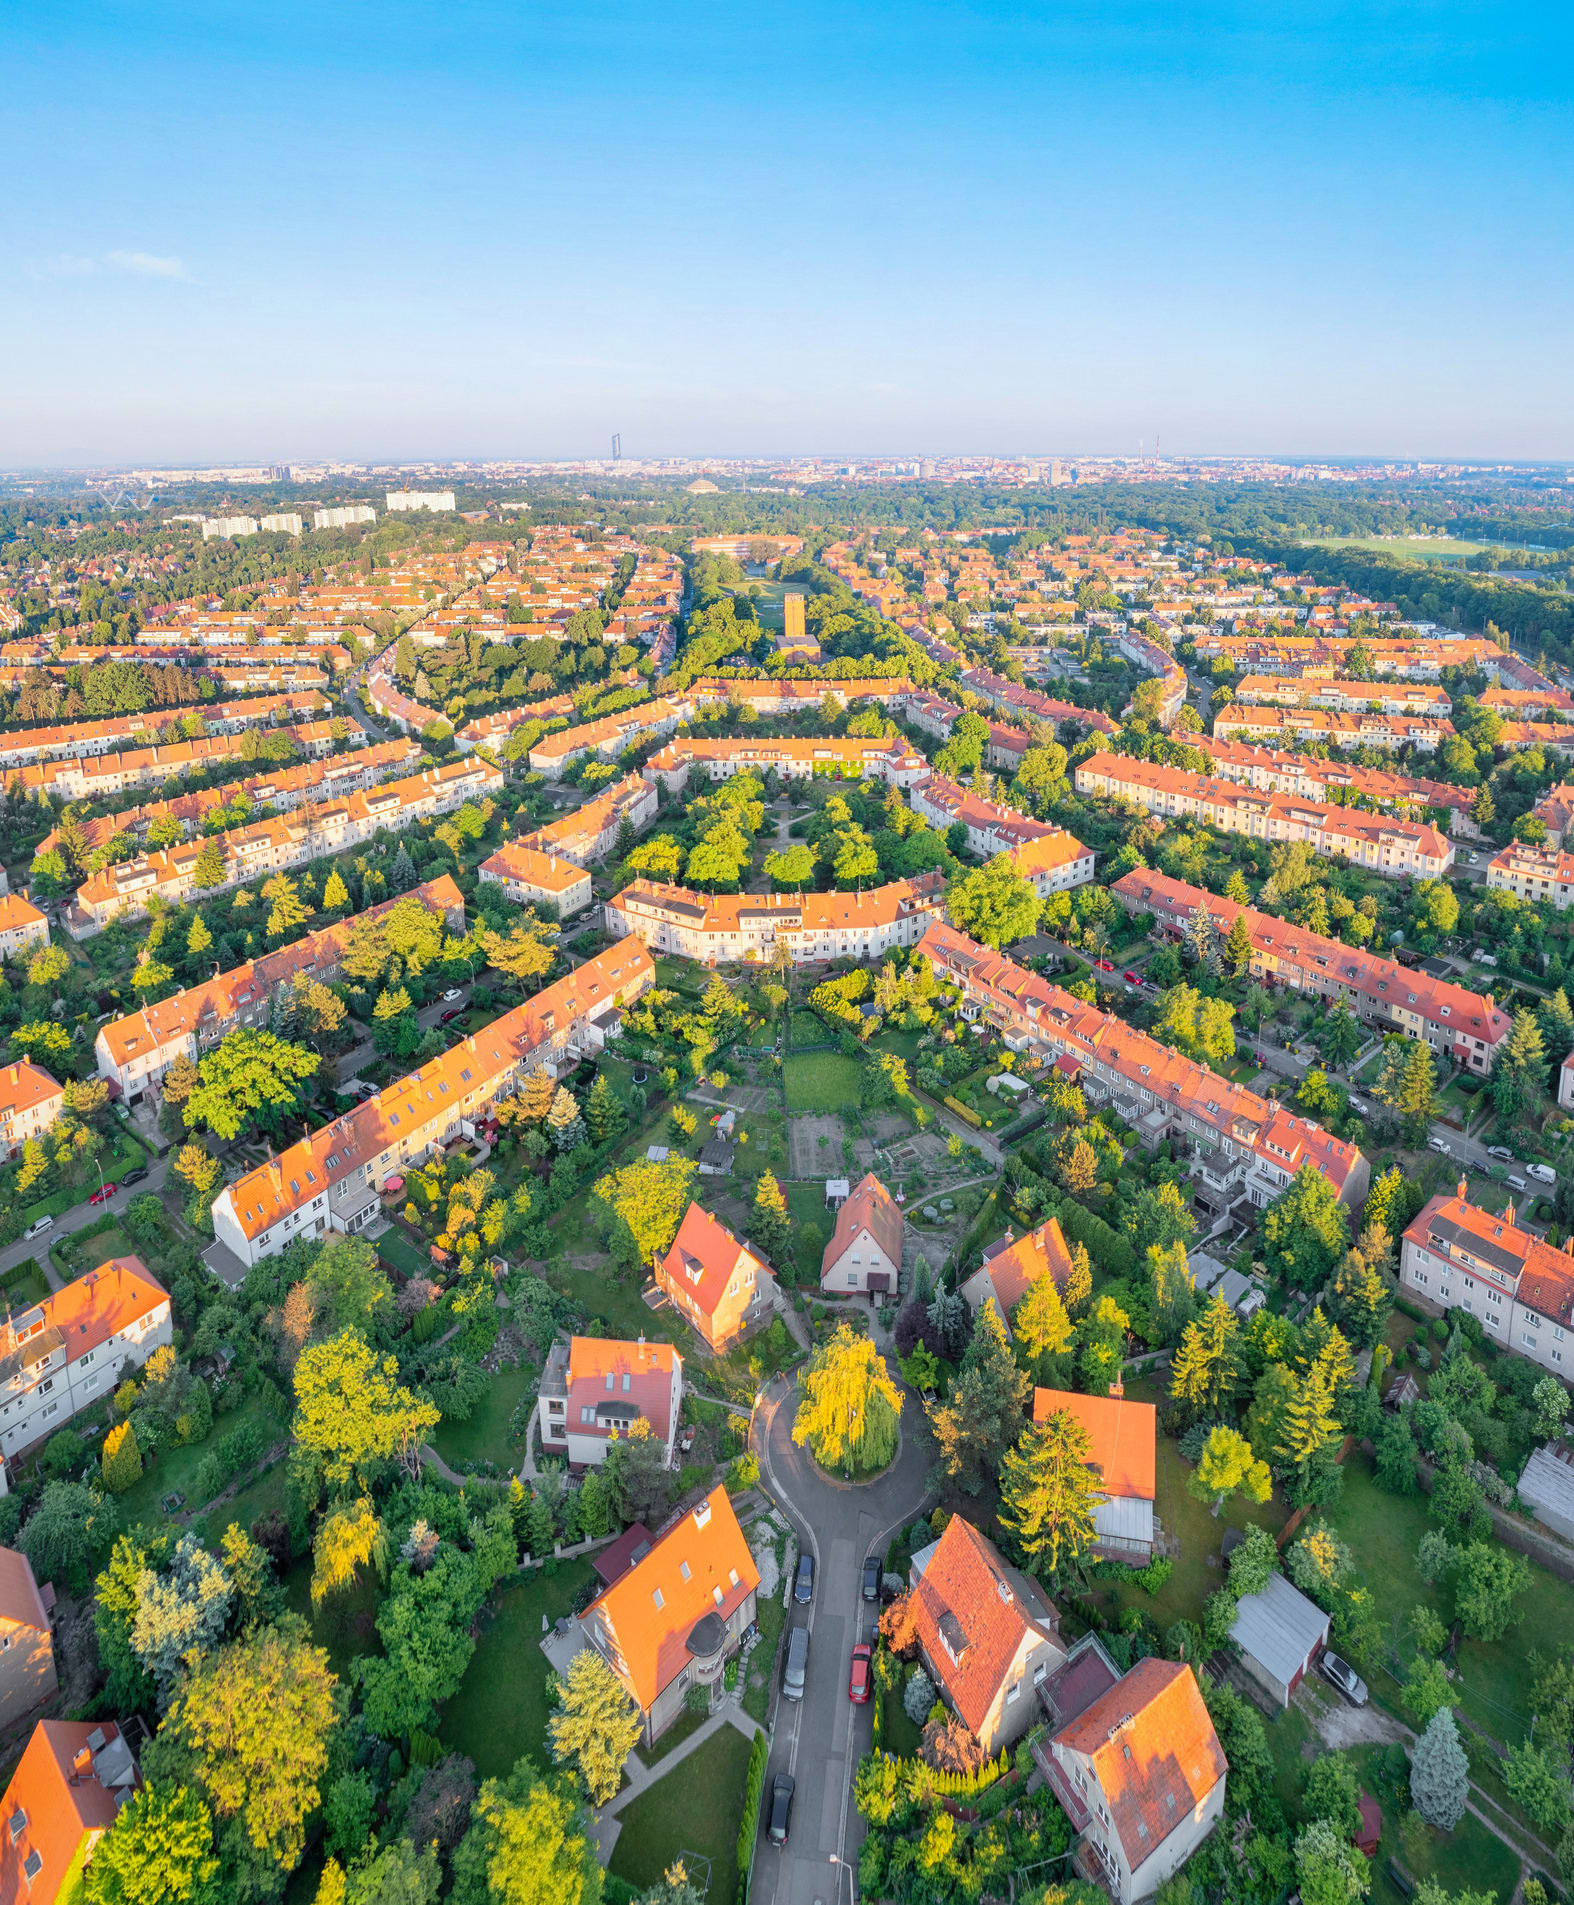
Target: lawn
[(175, 1467), (695, 1809), (74, 1255), (770, 1616), (265, 1496), (500, 1711), (1421, 546), (396, 1248), (1493, 1681), (898, 1734), (616, 1302), (25, 1285), (485, 1437), (1468, 1858), (823, 1081)]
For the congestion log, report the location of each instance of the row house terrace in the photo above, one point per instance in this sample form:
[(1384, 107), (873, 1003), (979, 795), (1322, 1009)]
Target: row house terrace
[(333, 1179), (793, 696), (1466, 1027), (268, 846), (31, 745), (554, 753), (1245, 1148), (729, 928), (1403, 849), (1542, 876), (133, 1053), (96, 777), (1272, 770), (1557, 737), (492, 730), (1521, 1290), (719, 759), (1011, 698), (1048, 857), (1529, 704), (1312, 692), (1336, 727), (590, 832)]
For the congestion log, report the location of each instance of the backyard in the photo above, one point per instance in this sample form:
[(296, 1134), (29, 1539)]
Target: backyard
[(822, 1081), (486, 1437), (692, 1813), (500, 1711)]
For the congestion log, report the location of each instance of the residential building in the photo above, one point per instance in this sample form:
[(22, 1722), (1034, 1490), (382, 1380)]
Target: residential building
[(1517, 1287), (1555, 811), (95, 776), (594, 1389), (718, 1285), (343, 516), (1542, 876), (988, 1635), (27, 1653), (720, 758), (71, 1781), (30, 745), (67, 1353), (1403, 849), (865, 1251), (532, 878), (333, 1179), (134, 1052), (1380, 697), (724, 928), (1122, 1451), (1466, 1027), (1335, 726), (285, 522), (1012, 1264), (673, 1619), (219, 527), (1545, 703), (440, 501), (608, 737), (1245, 1149), (1279, 1633), (1141, 1774), (22, 927), (1274, 770), (1048, 857), (270, 846), (30, 1102), (1012, 698), (590, 833)]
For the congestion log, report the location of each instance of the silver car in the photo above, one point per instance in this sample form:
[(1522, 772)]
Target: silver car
[(1341, 1674)]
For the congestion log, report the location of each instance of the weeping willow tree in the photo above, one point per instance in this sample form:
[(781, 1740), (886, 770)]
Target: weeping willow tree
[(348, 1536), (849, 1406)]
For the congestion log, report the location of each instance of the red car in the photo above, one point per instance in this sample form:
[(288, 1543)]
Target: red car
[(858, 1679), (1131, 977), (104, 1195), (1105, 965), (449, 1017)]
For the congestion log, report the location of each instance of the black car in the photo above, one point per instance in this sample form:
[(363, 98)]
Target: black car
[(803, 1586), (135, 1175), (872, 1578), (781, 1808)]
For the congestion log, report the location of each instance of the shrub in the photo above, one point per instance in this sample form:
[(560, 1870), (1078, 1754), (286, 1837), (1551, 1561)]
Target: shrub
[(918, 1697), (121, 1459), (749, 1825)]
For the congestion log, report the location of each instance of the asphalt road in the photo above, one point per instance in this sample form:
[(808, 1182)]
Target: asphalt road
[(348, 1063), (820, 1739), (77, 1218)]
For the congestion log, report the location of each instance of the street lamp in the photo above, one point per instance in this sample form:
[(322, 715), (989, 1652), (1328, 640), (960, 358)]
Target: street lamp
[(838, 1860)]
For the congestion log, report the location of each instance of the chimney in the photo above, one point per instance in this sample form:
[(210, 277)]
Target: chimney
[(1461, 1191), (1117, 1390), (1508, 1214)]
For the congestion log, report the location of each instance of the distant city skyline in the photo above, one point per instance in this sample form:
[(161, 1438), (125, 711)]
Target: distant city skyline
[(406, 234)]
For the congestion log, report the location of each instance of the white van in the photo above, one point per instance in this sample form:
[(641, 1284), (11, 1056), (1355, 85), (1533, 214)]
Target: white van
[(797, 1669), (1542, 1173), (39, 1226)]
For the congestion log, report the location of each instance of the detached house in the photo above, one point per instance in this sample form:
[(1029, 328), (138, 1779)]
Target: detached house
[(718, 1284), (595, 1389), (1141, 1775), (1121, 1437), (865, 1251), (1010, 1266), (63, 1797), (989, 1637), (27, 1654), (672, 1619)]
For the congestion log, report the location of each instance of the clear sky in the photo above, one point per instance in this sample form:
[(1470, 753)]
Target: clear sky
[(290, 231)]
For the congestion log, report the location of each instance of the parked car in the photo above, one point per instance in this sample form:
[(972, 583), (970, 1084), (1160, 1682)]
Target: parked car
[(38, 1226), (1500, 1151), (859, 1675), (1104, 965), (872, 1577), (1437, 1144), (803, 1584), (1131, 978), (782, 1790), (1341, 1674), (795, 1673), (453, 992), (104, 1193), (134, 1176), (447, 1018), (1542, 1173)]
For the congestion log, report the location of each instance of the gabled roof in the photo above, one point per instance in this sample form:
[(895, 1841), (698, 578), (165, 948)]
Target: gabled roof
[(71, 1781), (24, 1085), (1540, 1277), (20, 1600), (1279, 1627), (700, 1566), (1014, 1267), (1154, 1752), (872, 1208), (88, 1311), (703, 1256), (621, 1381), (1122, 1435), (972, 1612)]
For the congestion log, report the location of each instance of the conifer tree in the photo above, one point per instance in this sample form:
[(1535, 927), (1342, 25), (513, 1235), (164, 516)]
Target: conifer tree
[(1174, 1293), (535, 1101), (335, 894), (769, 1224), (1048, 1494), (198, 939), (209, 868), (1205, 1371), (1310, 1424), (985, 1411), (1417, 1092), (564, 1123), (1238, 946), (1042, 1332), (604, 1112), (1078, 1293), (1236, 889), (1440, 1773), (1201, 939)]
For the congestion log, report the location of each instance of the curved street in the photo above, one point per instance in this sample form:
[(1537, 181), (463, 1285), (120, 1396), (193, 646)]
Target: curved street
[(820, 1739)]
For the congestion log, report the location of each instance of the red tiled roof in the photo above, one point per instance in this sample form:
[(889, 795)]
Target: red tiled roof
[(639, 1373), (57, 1810), (703, 1256), (20, 1600), (1019, 1265), (871, 1207), (1122, 1437), (970, 1619)]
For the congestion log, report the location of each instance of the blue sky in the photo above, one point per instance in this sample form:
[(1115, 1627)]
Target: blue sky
[(295, 231)]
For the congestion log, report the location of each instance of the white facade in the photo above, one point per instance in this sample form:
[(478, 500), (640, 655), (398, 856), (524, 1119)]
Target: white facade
[(67, 1354), (438, 500)]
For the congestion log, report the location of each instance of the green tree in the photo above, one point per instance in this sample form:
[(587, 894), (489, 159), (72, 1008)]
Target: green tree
[(855, 862), (649, 1200), (1048, 1494), (352, 1411), (984, 1414), (159, 1851), (335, 894), (1228, 1464), (523, 955), (792, 869), (347, 1537), (287, 909), (209, 870), (1310, 1426), (71, 1526), (1043, 1332), (1173, 1293), (1359, 1299), (1205, 1371), (396, 1874), (528, 1844), (1340, 1036), (250, 1077), (1305, 1230), (1199, 1026), (1488, 1579), (1519, 1077), (48, 966), (849, 1407), (1439, 1774), (198, 940), (596, 1725), (1417, 1102), (180, 1613), (1330, 1870), (770, 1226), (121, 1459), (1238, 946), (604, 1112), (1160, 1216), (993, 904), (1333, 1793), (1538, 1783)]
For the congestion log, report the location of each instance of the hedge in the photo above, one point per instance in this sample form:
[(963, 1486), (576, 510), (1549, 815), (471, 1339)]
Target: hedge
[(1111, 1252), (963, 1111), (749, 1825), (953, 1785)]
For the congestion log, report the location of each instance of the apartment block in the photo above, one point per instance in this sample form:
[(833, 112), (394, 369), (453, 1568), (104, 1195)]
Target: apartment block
[(531, 877), (727, 928), (719, 759), (1521, 1290), (1542, 876), (440, 501), (609, 736), (1273, 770), (333, 1179), (1353, 697), (1404, 849), (343, 516), (31, 745), (22, 927), (589, 833), (1335, 727), (30, 1102), (1048, 857)]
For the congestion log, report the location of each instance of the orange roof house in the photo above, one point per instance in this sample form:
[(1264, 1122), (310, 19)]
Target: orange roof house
[(27, 1655), (70, 1783), (718, 1284), (1142, 1775), (988, 1636), (1010, 1267), (671, 1620), (865, 1251), (1121, 1437), (595, 1388)]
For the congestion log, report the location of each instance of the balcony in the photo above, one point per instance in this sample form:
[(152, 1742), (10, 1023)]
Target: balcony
[(1060, 1785)]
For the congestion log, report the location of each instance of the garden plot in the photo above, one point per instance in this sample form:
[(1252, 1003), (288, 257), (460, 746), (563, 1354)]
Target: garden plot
[(738, 1097), (808, 1156)]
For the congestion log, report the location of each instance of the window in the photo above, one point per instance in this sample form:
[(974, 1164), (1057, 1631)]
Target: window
[(683, 1569), (18, 1824), (657, 1597)]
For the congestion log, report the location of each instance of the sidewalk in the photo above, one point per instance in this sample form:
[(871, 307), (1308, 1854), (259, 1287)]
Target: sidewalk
[(637, 1776)]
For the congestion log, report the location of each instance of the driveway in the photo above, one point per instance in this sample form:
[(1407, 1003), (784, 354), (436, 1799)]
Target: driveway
[(78, 1218), (820, 1739), (349, 1063)]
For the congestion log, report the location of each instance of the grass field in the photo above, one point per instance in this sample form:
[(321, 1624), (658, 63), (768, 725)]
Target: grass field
[(501, 1708), (25, 1285), (1422, 546), (396, 1248), (175, 1468), (695, 1809), (485, 1438), (822, 1081)]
